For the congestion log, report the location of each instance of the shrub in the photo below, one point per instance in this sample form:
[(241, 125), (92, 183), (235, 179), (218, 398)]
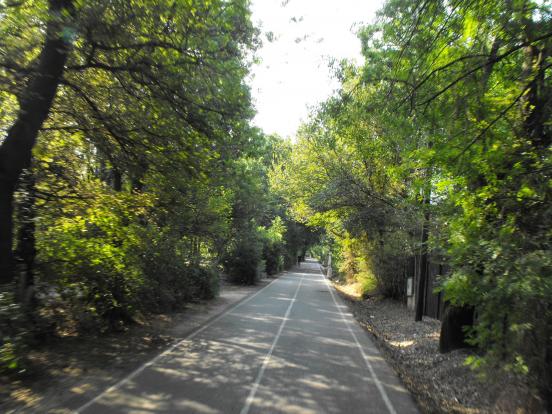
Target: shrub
[(389, 257), (241, 261), (89, 256), (167, 277), (14, 334), (274, 246), (502, 272), (274, 258), (368, 283), (206, 282)]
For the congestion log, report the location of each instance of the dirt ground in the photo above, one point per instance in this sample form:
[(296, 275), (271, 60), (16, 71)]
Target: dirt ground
[(440, 383), (66, 372)]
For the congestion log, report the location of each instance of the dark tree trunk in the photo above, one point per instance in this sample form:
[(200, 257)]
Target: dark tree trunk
[(34, 104), (455, 321), (537, 99), (25, 252), (117, 180), (422, 280), (6, 231)]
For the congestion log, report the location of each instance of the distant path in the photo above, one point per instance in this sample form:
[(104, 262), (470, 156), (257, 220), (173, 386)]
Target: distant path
[(292, 347)]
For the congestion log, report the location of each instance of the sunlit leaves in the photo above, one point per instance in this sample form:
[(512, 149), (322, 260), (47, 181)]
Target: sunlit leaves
[(452, 101)]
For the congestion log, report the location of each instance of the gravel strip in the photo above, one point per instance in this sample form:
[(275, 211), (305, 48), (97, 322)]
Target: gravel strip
[(440, 383)]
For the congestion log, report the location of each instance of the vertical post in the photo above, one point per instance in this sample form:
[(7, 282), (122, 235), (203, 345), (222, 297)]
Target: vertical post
[(422, 280)]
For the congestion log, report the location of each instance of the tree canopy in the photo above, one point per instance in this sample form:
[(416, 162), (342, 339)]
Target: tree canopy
[(440, 144), (131, 176)]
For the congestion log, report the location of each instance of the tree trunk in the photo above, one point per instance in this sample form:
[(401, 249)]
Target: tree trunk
[(453, 335), (422, 280), (34, 107), (25, 252), (6, 231), (117, 179)]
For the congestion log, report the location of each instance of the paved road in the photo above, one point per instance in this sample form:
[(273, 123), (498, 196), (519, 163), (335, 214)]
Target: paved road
[(290, 348)]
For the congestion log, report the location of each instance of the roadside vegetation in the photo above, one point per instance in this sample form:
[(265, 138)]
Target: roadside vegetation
[(438, 148), (130, 176), (132, 180)]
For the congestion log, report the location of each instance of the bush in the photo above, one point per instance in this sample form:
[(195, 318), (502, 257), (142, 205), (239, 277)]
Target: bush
[(14, 334), (389, 258), (274, 246), (167, 284), (89, 256), (368, 283), (241, 261), (170, 278), (274, 259), (205, 282), (502, 272), (375, 264), (107, 264), (389, 268)]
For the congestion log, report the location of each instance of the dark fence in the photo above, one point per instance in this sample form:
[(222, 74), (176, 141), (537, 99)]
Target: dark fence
[(433, 302)]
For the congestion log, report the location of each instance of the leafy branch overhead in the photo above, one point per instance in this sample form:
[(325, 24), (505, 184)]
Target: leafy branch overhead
[(131, 179), (436, 151)]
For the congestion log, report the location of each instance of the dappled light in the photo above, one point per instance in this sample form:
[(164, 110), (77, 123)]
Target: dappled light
[(315, 366), (275, 206)]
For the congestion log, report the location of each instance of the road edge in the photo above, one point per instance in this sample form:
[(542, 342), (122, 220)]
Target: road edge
[(190, 335)]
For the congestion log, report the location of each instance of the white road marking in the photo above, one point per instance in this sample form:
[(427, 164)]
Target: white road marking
[(375, 378), (251, 396), (136, 372), (266, 360)]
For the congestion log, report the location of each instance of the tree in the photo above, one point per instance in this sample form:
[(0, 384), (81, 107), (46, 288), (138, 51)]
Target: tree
[(440, 142), (130, 74), (35, 102), (479, 73)]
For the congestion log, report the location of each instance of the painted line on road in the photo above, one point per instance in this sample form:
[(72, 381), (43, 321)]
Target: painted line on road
[(375, 378), (137, 371), (251, 396)]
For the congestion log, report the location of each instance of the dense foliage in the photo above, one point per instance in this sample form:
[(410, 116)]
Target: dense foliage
[(131, 178), (440, 142), (147, 182)]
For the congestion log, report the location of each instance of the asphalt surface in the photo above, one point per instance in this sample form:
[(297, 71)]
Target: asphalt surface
[(293, 347)]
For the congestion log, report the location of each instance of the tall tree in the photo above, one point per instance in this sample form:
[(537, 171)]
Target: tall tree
[(141, 77), (35, 102)]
